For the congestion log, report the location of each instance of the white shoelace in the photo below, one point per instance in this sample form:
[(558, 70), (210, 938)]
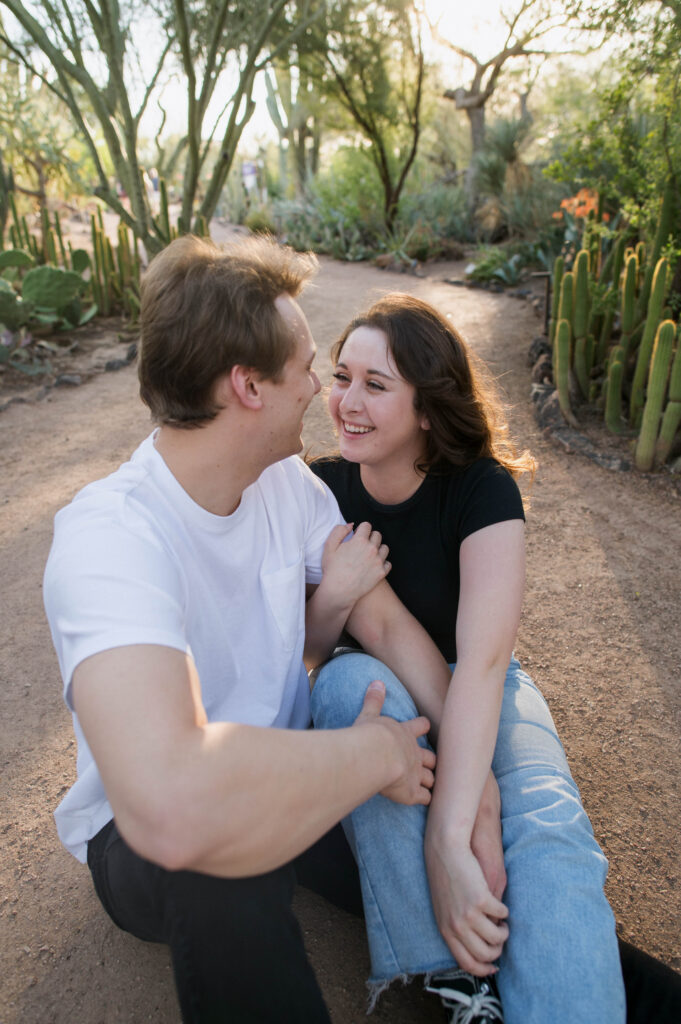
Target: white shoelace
[(470, 1008)]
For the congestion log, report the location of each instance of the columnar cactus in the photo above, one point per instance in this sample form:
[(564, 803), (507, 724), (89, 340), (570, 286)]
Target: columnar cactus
[(671, 419), (655, 305), (580, 319), (613, 399), (628, 307), (657, 386), (562, 369)]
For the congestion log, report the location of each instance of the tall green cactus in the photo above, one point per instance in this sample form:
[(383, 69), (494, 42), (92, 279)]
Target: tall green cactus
[(664, 226), (580, 320), (628, 308), (655, 305), (558, 269), (613, 397), (562, 370), (657, 386), (671, 420)]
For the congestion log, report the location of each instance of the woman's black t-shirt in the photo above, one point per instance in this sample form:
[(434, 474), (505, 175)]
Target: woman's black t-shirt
[(424, 533)]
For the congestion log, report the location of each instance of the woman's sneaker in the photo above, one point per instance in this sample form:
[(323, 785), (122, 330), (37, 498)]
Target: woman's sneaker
[(467, 999)]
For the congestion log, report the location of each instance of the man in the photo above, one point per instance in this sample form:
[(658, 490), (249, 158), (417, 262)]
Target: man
[(175, 591)]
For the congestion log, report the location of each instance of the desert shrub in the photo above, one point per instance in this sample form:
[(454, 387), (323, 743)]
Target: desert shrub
[(442, 208), (260, 221), (342, 212)]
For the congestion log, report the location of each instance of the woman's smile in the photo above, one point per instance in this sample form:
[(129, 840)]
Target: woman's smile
[(372, 406)]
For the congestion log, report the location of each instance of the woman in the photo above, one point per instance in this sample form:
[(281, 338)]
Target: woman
[(425, 458)]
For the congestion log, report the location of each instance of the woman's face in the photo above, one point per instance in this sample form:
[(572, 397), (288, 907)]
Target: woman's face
[(372, 406)]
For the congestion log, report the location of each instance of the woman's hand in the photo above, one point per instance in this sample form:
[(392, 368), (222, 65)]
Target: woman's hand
[(351, 568), (469, 916), (486, 841)]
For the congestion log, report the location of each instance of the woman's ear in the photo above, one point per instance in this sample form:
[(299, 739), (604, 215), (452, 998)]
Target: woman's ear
[(424, 422), (244, 383)]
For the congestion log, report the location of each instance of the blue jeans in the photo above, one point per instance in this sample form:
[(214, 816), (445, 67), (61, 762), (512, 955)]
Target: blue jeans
[(561, 962)]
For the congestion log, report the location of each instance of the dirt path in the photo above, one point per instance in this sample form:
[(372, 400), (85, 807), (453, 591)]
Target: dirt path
[(600, 634)]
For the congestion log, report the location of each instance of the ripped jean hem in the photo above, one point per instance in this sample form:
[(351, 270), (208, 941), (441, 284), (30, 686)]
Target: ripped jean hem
[(377, 986)]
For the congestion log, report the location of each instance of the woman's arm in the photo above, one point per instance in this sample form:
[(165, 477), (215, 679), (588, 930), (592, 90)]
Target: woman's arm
[(492, 571), (351, 568)]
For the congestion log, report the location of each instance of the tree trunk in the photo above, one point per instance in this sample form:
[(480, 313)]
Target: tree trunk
[(476, 120)]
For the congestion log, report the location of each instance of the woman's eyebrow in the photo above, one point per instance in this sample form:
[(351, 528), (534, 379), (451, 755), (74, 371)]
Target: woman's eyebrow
[(373, 373)]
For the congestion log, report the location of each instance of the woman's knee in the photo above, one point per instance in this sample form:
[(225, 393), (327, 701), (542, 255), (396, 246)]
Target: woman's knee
[(341, 685)]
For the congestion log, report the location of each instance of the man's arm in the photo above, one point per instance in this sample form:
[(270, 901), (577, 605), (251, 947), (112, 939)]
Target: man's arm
[(224, 798)]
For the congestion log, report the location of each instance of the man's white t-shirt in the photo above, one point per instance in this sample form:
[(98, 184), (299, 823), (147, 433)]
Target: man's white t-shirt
[(136, 561)]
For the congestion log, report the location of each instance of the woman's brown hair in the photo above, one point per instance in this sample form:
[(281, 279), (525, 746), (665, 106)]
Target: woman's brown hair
[(452, 388)]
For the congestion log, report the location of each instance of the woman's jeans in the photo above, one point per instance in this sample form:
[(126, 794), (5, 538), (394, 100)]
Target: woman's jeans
[(560, 964)]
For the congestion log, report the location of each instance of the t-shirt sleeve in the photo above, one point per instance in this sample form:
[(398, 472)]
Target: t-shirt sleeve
[(488, 495), (108, 587), (322, 515)]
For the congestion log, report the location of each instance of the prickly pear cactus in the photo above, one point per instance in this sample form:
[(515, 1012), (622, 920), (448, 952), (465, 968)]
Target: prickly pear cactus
[(51, 287)]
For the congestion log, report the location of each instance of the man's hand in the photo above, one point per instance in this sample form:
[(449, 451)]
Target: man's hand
[(414, 764), (486, 841), (351, 568), (469, 916)]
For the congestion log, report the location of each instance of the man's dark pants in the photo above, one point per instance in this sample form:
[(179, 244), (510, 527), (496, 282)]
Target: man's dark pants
[(236, 946)]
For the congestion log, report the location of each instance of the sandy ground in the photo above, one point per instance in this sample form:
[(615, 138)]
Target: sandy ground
[(600, 634)]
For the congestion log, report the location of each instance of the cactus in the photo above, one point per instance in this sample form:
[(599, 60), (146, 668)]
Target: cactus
[(562, 370), (613, 398), (163, 219), (657, 385), (50, 247), (16, 258), (628, 301), (60, 239), (51, 287), (657, 296), (558, 269), (580, 319), (664, 226), (671, 420), (12, 313)]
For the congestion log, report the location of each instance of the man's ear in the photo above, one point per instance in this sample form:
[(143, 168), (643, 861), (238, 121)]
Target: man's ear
[(245, 385)]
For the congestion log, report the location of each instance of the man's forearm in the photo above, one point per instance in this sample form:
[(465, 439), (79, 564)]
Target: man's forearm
[(285, 789)]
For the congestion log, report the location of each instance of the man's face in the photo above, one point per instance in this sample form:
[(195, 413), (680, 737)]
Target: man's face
[(288, 398)]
